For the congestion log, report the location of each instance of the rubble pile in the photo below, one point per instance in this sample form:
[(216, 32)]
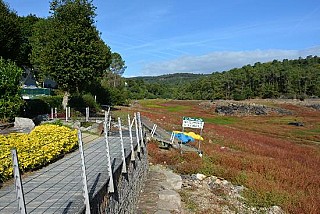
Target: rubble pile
[(243, 109), (217, 195), (314, 106)]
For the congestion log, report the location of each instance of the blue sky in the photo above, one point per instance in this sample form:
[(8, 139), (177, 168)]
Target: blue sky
[(157, 37)]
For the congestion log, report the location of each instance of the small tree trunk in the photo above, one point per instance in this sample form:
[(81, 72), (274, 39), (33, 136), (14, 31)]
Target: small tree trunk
[(65, 100)]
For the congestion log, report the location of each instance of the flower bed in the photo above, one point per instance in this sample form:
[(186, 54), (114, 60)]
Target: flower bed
[(44, 144)]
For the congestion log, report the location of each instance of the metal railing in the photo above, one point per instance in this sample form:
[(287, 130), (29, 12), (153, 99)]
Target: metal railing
[(136, 121)]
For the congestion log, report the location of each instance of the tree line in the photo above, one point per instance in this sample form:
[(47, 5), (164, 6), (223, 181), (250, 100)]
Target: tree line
[(293, 79)]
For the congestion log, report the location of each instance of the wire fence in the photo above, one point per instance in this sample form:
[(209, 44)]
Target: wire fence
[(69, 184)]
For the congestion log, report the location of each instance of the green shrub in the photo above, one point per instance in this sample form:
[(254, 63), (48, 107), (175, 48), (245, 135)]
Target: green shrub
[(10, 100), (53, 101), (36, 107), (80, 102)]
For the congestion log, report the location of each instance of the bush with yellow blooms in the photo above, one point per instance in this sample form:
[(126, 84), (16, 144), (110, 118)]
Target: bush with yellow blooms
[(43, 145)]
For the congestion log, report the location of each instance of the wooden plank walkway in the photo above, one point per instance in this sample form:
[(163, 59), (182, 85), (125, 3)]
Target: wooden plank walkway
[(57, 188), (163, 136)]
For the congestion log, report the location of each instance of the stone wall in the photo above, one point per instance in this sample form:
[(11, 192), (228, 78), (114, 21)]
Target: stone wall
[(127, 187)]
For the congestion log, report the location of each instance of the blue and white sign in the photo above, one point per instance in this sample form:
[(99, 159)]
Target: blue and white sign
[(196, 123)]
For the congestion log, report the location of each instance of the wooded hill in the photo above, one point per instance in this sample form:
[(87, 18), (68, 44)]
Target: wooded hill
[(299, 78), (171, 79)]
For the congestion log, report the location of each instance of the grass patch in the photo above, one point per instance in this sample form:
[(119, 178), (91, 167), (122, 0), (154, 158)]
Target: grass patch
[(317, 130), (190, 204), (122, 114), (148, 102), (305, 133), (221, 120), (264, 199), (154, 106), (284, 120), (177, 108)]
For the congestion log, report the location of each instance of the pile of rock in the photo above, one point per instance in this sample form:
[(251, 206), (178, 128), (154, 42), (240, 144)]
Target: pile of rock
[(244, 109), (166, 192), (217, 195), (314, 106)]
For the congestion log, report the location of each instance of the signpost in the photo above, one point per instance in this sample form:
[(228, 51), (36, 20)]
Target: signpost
[(195, 123)]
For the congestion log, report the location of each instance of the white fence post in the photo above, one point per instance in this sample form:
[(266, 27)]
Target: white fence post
[(131, 139), (55, 112), (87, 114), (69, 112), (106, 114), (109, 123), (137, 132), (172, 137), (124, 165), (140, 129), (111, 184), (153, 129), (84, 176), (66, 114), (18, 182)]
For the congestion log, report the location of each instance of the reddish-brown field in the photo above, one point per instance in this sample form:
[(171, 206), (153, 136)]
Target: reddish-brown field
[(277, 162)]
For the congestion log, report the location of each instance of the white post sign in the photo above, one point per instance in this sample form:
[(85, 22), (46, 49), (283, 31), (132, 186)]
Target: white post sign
[(196, 123)]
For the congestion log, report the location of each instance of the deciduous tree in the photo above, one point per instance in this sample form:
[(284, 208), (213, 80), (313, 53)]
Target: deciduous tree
[(10, 33), (67, 46)]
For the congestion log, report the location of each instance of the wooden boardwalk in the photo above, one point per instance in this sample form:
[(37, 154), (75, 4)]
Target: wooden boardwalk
[(57, 188), (160, 134), (163, 136)]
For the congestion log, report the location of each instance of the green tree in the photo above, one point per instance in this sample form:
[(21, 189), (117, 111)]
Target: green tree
[(10, 33), (67, 46), (10, 100), (117, 68), (26, 26)]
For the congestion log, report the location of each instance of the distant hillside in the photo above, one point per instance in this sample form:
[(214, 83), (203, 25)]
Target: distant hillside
[(171, 79), (298, 78)]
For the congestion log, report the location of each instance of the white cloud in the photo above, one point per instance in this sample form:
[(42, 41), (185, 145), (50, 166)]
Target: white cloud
[(222, 61)]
